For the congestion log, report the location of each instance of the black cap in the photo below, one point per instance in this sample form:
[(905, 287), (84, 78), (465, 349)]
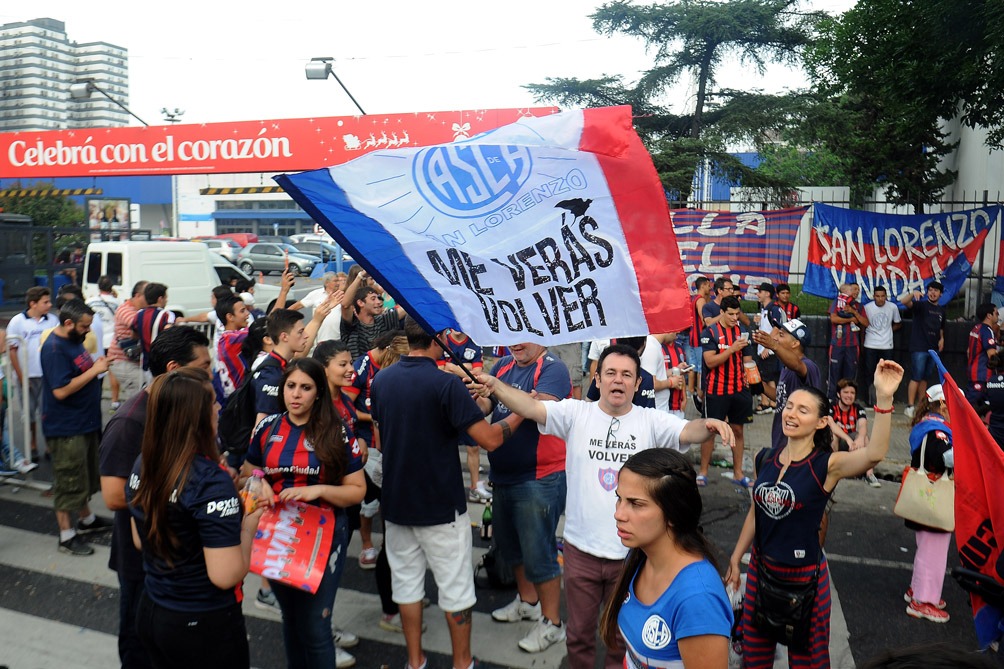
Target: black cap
[(769, 287)]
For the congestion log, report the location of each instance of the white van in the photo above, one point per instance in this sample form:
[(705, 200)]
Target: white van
[(188, 269)]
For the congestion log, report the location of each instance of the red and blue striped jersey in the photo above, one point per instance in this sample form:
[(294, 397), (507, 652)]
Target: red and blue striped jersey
[(694, 336), (229, 367), (981, 341), (730, 376), (790, 310), (282, 451), (847, 418), (844, 334), (673, 355)]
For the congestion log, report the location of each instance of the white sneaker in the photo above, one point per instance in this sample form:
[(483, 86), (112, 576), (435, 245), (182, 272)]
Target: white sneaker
[(478, 496), (345, 639), (872, 481), (543, 635), (26, 466), (908, 412), (344, 659), (517, 610)]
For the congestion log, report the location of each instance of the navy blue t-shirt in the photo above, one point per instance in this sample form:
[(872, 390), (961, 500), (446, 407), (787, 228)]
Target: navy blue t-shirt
[(420, 412), (79, 413), (645, 397), (928, 323), (267, 379), (207, 514), (121, 444)]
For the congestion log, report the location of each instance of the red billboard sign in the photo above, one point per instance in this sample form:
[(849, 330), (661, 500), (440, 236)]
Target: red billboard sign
[(284, 145)]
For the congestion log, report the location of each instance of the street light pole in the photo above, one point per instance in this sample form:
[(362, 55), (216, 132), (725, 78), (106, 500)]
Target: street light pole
[(82, 89), (320, 68), (172, 117)]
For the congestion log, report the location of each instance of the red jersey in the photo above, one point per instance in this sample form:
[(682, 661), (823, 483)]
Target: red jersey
[(673, 355), (847, 419), (730, 376)]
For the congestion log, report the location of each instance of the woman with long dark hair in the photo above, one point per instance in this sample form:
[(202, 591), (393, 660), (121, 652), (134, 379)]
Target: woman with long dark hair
[(306, 456), (931, 436), (669, 604), (793, 485), (189, 523)]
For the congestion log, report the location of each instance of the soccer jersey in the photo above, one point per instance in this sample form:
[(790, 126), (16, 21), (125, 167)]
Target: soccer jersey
[(267, 382), (229, 366), (207, 513), (847, 418), (788, 383), (843, 334), (694, 334), (729, 377), (694, 604), (281, 449), (674, 357), (791, 310), (981, 342), (527, 454)]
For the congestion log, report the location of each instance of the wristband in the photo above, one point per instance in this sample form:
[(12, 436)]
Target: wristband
[(878, 410)]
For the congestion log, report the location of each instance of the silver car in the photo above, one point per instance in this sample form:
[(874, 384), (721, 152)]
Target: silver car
[(227, 248), (268, 257)]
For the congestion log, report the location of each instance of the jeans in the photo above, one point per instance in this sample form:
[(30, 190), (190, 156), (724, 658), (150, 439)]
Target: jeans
[(132, 654), (306, 618), (524, 519), (175, 639), (871, 359)]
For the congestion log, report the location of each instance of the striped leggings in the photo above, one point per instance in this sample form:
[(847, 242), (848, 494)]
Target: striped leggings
[(758, 651)]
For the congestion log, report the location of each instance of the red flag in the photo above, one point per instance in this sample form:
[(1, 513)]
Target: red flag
[(979, 506)]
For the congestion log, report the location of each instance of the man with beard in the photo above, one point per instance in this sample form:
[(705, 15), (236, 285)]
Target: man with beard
[(71, 422)]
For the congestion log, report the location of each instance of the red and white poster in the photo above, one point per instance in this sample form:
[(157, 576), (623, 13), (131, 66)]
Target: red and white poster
[(285, 145), (292, 544)]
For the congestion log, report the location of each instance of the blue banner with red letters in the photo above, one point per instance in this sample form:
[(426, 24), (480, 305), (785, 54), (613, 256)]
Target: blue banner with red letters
[(899, 252), (747, 247)]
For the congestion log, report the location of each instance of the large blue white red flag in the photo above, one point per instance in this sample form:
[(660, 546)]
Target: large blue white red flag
[(979, 505), (549, 230), (898, 252)]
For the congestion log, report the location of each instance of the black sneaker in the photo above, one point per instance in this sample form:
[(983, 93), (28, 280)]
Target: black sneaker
[(99, 525), (698, 403), (76, 545)]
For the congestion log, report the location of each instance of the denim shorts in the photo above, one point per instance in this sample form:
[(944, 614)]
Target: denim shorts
[(525, 520), (695, 355), (921, 365)]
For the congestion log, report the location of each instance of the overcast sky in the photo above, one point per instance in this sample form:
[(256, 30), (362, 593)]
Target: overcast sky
[(244, 61)]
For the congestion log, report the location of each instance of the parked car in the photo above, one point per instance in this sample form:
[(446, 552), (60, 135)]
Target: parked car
[(267, 257), (326, 252), (276, 239), (310, 237), (227, 248)]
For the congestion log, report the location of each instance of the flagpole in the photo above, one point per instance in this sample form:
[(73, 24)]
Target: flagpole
[(449, 354)]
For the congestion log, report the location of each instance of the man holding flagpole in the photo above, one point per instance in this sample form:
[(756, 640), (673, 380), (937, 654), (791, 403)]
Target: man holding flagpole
[(599, 438)]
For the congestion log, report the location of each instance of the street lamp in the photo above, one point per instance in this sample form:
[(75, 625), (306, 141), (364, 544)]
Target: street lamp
[(320, 68), (172, 116), (82, 89)]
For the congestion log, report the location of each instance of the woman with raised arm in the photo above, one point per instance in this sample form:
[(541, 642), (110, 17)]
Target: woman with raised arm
[(794, 482)]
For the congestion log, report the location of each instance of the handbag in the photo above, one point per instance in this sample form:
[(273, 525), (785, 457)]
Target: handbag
[(925, 501), (782, 608), (132, 348)]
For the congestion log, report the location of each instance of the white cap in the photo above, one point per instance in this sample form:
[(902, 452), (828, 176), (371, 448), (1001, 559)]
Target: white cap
[(247, 298), (935, 393)]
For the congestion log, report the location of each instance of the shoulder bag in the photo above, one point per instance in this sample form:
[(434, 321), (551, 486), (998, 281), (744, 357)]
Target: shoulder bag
[(926, 501)]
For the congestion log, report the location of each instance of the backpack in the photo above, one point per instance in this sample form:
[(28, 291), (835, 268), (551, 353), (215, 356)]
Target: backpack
[(237, 418)]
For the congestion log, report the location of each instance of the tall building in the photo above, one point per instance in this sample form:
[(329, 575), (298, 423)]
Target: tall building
[(38, 64)]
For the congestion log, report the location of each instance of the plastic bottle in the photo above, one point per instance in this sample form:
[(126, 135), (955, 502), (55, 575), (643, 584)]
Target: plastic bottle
[(486, 522), (840, 332), (254, 491)]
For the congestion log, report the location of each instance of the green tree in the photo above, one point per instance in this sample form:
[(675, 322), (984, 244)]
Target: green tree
[(57, 211), (692, 38)]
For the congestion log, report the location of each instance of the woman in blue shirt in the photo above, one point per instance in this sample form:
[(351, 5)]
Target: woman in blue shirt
[(189, 523), (669, 604), (307, 456)]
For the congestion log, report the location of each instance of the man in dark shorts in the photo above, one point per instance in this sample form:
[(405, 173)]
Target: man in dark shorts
[(727, 395), (71, 422), (927, 331)]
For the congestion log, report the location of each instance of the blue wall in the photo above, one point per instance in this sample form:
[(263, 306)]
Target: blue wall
[(138, 190)]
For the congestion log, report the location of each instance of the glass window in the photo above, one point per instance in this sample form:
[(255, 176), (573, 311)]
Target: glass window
[(93, 267), (114, 269)]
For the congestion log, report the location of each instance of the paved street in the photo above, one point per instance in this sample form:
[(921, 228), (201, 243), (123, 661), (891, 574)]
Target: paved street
[(57, 610)]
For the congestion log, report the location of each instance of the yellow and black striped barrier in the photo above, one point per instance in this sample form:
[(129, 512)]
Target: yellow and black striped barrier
[(246, 190), (48, 192)]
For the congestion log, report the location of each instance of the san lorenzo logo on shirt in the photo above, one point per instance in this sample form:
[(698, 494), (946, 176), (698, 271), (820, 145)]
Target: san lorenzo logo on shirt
[(655, 634), (608, 478), (776, 499)]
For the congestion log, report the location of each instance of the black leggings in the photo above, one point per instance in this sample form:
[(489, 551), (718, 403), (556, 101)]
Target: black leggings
[(174, 639)]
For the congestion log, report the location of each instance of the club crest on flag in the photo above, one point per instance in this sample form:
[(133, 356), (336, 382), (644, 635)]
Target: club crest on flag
[(548, 230)]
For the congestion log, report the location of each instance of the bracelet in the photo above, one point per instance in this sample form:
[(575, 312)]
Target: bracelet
[(889, 410)]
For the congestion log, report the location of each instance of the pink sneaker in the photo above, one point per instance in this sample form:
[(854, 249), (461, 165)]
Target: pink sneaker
[(927, 612), (908, 597)]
